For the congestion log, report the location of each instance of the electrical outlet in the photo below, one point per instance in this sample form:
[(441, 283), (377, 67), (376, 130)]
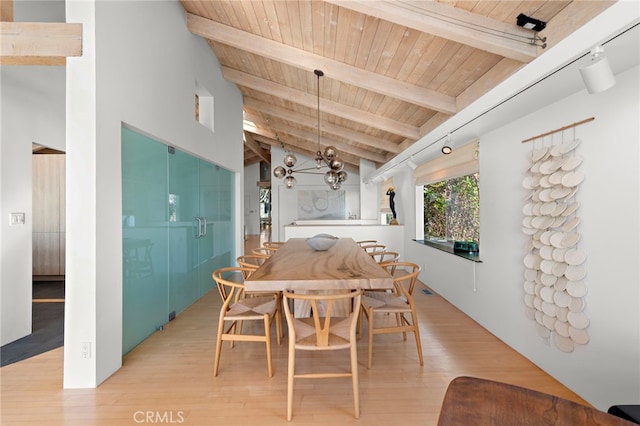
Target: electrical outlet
[(86, 350)]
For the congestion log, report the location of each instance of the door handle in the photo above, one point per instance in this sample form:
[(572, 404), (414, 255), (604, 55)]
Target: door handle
[(199, 225), (204, 227)]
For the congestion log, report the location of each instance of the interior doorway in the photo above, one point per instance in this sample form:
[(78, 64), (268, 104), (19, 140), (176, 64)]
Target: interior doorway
[(265, 208), (48, 258), (48, 197)]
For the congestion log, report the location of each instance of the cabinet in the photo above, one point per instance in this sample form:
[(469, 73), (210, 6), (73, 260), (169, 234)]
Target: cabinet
[(48, 214)]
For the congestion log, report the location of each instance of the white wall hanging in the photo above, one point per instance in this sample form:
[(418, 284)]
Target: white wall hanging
[(555, 263)]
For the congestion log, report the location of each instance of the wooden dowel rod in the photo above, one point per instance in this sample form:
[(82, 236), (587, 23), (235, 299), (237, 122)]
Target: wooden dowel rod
[(586, 120)]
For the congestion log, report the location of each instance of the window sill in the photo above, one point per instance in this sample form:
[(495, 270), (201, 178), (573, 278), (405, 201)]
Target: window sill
[(448, 248)]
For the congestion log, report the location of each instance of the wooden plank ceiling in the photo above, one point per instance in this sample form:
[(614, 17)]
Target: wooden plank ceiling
[(393, 70)]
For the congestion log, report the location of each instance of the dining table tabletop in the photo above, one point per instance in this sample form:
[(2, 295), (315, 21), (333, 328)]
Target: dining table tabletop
[(297, 266)]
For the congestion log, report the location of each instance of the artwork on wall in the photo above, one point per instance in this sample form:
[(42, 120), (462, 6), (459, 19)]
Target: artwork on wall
[(321, 204), (555, 262)]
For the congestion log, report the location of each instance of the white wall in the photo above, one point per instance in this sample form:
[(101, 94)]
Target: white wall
[(606, 371), (32, 110), (141, 72), (369, 193)]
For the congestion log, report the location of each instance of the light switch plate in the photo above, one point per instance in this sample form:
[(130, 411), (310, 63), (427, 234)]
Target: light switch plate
[(17, 219)]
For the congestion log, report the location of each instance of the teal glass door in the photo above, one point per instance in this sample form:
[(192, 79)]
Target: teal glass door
[(216, 204), (184, 208), (144, 237), (177, 228)]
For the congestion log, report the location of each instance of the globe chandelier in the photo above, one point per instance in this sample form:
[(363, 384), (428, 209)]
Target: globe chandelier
[(327, 158)]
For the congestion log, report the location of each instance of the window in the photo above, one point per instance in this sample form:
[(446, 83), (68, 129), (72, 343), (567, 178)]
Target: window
[(452, 209), (450, 195)]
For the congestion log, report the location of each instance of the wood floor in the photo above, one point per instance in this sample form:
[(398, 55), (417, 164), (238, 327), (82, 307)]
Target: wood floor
[(168, 378)]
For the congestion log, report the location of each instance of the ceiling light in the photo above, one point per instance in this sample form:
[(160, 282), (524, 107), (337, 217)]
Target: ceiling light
[(529, 23), (327, 158), (598, 76), (447, 147)]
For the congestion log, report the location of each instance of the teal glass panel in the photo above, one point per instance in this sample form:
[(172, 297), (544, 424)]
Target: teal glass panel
[(177, 228), (184, 227), (226, 217), (144, 237), (217, 248), (208, 200)]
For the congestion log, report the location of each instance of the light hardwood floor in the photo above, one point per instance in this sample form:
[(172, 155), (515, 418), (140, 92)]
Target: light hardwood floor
[(169, 377)]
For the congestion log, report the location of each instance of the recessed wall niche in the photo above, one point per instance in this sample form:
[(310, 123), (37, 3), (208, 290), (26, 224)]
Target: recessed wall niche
[(204, 107)]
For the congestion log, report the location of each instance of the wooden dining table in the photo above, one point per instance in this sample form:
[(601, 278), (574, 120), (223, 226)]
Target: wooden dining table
[(297, 266)]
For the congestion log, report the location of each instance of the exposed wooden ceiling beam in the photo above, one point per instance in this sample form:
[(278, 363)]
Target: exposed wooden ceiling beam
[(446, 21), (294, 143), (254, 146), (331, 129), (6, 10), (250, 158), (572, 17), (488, 81), (303, 135), (39, 43), (302, 59), (310, 101)]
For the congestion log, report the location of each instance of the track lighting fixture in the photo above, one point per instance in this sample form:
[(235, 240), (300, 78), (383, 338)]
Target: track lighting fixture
[(598, 76), (446, 146)]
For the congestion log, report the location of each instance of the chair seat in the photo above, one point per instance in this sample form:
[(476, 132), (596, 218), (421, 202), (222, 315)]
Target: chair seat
[(252, 308), (385, 302), (306, 338)]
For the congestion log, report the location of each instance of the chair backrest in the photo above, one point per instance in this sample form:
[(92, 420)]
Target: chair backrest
[(405, 280), (230, 283), (272, 244), (264, 251), (370, 248), (326, 331), (384, 256), (494, 403), (250, 262), (366, 242)]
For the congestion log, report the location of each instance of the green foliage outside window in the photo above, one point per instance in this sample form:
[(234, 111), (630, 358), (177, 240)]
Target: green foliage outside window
[(452, 209)]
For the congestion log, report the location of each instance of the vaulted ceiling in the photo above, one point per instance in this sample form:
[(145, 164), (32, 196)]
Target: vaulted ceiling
[(393, 70)]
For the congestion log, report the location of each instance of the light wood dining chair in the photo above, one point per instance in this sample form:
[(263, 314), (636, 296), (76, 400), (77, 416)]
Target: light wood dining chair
[(250, 263), (399, 302), (236, 309), (264, 251), (273, 244), (383, 257), (325, 330), (370, 248)]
